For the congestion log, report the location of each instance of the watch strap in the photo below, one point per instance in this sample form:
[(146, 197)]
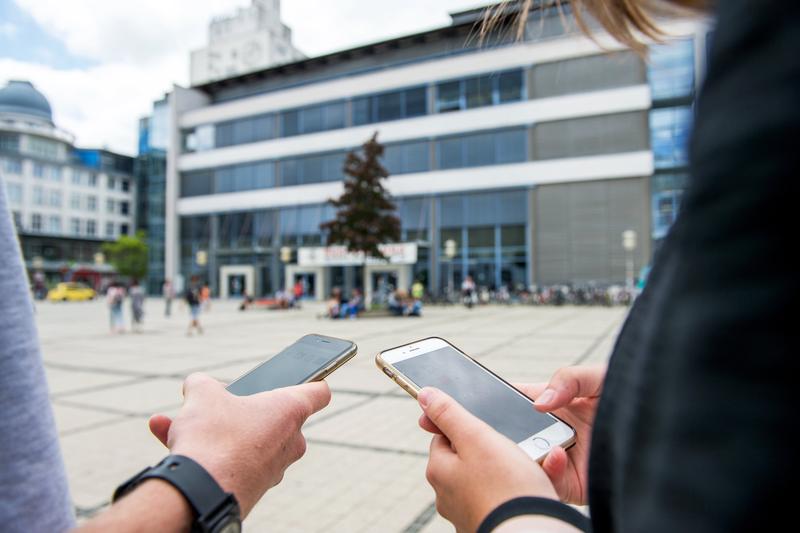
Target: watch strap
[(203, 493), (529, 505)]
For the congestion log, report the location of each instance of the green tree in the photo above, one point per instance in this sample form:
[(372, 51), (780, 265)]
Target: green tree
[(128, 255), (365, 211)]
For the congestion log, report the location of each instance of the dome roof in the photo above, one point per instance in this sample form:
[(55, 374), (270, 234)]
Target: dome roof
[(20, 97)]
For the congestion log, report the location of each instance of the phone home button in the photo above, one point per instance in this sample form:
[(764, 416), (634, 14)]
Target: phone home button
[(541, 443)]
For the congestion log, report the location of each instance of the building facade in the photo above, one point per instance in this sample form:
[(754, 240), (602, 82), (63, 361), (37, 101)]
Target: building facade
[(532, 157), (150, 169), (66, 202), (253, 38)]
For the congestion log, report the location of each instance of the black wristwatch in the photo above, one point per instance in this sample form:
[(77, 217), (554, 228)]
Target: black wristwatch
[(215, 511)]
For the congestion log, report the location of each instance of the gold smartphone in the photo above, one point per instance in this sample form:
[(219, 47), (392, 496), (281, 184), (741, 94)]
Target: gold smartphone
[(434, 362), (312, 358)]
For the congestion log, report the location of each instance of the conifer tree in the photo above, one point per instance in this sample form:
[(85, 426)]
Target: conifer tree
[(365, 212)]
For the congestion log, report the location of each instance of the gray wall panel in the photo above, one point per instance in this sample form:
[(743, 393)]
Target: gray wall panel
[(579, 230)]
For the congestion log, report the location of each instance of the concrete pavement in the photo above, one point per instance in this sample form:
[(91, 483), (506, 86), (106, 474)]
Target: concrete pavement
[(364, 468)]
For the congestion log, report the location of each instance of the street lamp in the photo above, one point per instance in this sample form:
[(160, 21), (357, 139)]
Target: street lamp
[(450, 253), (201, 257), (99, 258), (629, 245)]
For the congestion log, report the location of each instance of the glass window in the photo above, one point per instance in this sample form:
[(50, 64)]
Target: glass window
[(416, 102), (14, 193), (510, 86), (123, 208), (55, 198), (55, 173), (36, 222), (109, 229), (75, 226), (671, 69), (478, 91), (54, 224), (38, 170), (512, 146), (75, 201), (479, 150), (334, 116), (9, 141), (669, 136), (362, 110), (92, 180), (13, 166), (196, 183), (390, 106), (402, 158), (91, 203), (76, 177), (481, 237), (126, 185), (448, 96), (38, 196), (110, 205), (91, 228), (123, 229), (290, 123), (112, 183), (450, 153)]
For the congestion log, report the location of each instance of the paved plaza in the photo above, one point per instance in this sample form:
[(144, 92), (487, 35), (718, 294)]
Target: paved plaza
[(365, 464)]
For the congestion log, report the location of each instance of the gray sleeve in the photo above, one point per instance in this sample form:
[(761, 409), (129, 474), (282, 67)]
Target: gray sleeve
[(34, 496)]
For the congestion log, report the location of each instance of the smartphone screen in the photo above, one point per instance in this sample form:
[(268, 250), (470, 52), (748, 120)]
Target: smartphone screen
[(436, 363), (299, 363)]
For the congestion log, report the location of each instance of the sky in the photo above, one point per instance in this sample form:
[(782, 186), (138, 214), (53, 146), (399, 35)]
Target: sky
[(102, 63)]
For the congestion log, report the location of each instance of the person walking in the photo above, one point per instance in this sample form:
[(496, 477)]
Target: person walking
[(168, 292), (115, 296), (193, 300), (137, 306)]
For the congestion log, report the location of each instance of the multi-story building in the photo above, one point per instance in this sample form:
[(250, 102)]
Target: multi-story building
[(252, 39), (66, 202), (531, 156), (150, 168)]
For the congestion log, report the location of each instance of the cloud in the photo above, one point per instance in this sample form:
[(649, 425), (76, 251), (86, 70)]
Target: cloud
[(137, 50), (9, 30)]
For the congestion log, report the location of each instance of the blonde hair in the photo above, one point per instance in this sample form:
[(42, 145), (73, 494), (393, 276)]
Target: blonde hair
[(627, 21)]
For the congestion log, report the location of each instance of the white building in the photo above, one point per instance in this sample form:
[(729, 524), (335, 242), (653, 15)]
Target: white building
[(252, 39), (65, 201), (532, 157)]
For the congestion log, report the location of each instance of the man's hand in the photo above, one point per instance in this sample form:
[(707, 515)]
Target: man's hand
[(472, 467), (245, 442), (572, 395)]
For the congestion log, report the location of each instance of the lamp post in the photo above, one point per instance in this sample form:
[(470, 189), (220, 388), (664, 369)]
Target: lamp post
[(629, 245), (286, 254), (450, 253)]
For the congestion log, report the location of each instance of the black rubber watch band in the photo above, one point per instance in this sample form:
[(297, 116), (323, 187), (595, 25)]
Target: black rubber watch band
[(529, 505), (211, 504)]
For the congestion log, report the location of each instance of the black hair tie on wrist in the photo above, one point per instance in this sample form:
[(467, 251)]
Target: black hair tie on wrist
[(529, 505)]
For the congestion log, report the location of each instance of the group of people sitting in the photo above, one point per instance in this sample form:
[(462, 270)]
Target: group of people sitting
[(340, 307), (403, 304)]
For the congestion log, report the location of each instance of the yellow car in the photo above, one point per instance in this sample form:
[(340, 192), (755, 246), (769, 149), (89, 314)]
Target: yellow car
[(71, 292)]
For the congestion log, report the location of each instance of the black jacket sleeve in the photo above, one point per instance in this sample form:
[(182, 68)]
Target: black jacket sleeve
[(694, 431)]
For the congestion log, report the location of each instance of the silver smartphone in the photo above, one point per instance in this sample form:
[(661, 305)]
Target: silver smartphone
[(434, 362), (311, 358)]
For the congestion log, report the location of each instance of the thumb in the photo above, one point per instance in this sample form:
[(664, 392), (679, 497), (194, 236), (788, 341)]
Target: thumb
[(455, 422), (159, 426)]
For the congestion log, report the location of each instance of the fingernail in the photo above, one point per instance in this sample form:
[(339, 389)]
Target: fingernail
[(425, 396), (546, 397)]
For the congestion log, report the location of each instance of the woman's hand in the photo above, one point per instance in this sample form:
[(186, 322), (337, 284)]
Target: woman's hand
[(572, 395), (472, 467)]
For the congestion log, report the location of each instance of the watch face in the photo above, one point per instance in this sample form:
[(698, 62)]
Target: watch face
[(232, 527)]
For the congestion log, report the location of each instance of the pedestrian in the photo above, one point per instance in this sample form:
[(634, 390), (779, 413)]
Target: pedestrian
[(205, 297), (137, 295), (298, 290), (193, 300), (468, 291), (115, 296), (417, 290), (168, 291), (686, 430)]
